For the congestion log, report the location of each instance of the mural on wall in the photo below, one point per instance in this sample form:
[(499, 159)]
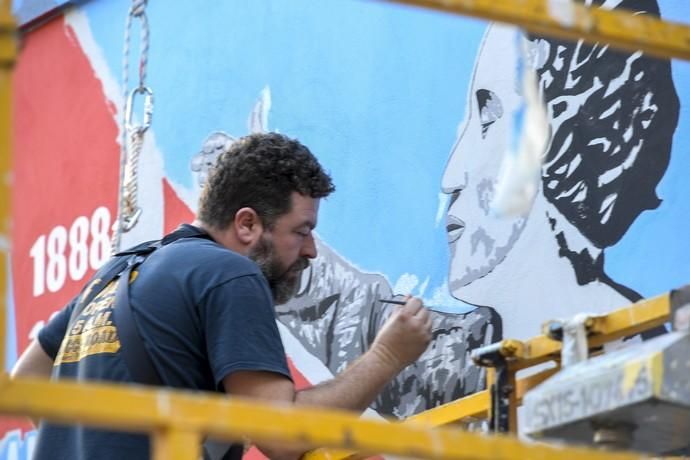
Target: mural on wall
[(613, 116), (413, 133)]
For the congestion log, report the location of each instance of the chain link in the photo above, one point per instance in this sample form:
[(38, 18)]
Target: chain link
[(132, 135)]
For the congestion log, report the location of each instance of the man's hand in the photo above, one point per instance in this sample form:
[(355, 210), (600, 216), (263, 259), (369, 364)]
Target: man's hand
[(405, 335)]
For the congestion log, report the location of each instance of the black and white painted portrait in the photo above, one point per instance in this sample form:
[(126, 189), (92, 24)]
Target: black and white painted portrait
[(612, 118)]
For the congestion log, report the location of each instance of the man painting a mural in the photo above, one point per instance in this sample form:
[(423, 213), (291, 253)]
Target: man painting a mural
[(203, 305), (336, 314)]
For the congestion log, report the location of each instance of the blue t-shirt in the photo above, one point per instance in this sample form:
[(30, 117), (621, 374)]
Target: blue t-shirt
[(202, 311)]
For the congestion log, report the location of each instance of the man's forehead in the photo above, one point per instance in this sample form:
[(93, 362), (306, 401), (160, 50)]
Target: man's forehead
[(304, 209)]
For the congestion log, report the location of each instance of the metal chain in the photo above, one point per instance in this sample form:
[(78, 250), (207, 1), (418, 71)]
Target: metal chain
[(132, 135)]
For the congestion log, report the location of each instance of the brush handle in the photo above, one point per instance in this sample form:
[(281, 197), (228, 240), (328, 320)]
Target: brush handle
[(394, 302), (401, 302)]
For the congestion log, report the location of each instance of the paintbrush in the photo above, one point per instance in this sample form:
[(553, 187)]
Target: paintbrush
[(402, 302)]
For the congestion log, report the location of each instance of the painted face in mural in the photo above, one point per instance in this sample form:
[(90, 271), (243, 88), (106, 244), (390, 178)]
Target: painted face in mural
[(478, 241), (612, 117)]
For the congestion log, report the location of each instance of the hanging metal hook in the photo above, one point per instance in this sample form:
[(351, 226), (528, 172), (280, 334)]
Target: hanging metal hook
[(128, 222), (148, 109)]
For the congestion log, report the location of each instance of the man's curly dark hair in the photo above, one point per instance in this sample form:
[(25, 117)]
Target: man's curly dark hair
[(260, 171)]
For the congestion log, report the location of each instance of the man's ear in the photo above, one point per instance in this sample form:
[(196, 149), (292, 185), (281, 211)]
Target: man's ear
[(248, 226)]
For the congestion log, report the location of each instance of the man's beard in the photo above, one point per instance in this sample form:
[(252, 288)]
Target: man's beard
[(282, 281)]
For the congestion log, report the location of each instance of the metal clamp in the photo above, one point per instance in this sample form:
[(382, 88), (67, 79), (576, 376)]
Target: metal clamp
[(148, 109), (496, 356), (128, 222), (573, 333)]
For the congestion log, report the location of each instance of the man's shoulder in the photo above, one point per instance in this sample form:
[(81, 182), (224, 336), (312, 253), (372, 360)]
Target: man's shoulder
[(205, 256)]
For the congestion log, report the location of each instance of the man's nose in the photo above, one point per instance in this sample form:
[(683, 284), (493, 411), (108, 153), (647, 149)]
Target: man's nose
[(308, 247)]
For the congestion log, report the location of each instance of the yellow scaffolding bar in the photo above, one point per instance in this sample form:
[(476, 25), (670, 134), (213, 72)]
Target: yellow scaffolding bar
[(7, 56), (616, 27), (178, 418), (641, 316)]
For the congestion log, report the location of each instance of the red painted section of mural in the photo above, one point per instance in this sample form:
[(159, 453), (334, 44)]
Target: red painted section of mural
[(300, 380), (300, 383), (254, 454), (66, 166), (176, 211), (66, 169)]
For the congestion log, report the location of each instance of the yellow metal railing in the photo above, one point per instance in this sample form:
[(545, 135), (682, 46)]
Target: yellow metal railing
[(602, 329), (7, 56), (618, 28), (177, 420)]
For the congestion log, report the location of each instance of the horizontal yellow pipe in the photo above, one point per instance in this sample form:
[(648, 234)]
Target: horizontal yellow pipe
[(616, 27), (7, 56), (627, 321), (183, 414), (475, 405)]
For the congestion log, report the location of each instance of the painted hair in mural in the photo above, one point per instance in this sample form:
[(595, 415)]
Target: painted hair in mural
[(612, 117)]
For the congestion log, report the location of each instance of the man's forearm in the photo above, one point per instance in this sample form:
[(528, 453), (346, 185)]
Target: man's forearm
[(34, 362), (357, 386), (353, 389), (401, 340)]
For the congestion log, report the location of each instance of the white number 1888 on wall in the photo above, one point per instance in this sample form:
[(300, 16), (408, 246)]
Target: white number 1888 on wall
[(63, 252)]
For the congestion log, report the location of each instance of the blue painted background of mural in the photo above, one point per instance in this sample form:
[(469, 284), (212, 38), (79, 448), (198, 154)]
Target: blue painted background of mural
[(17, 446), (377, 91), (26, 11), (367, 86), (651, 265)]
